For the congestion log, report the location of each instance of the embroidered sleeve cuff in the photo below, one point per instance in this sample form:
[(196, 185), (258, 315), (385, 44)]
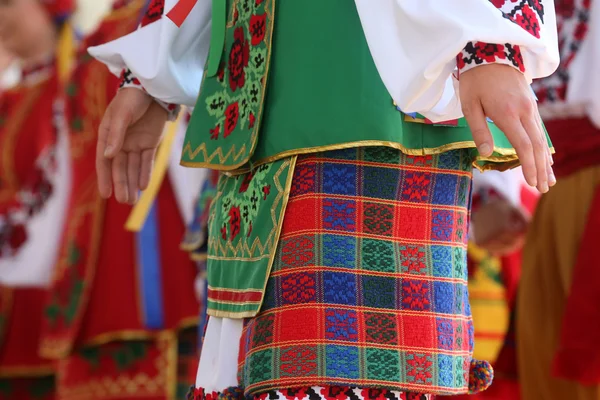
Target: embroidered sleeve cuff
[(130, 81), (479, 53)]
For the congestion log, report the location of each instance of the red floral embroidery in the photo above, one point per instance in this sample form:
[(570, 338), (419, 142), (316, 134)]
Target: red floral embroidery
[(154, 12), (214, 133), (246, 182), (266, 191), (252, 120), (528, 20), (489, 52), (258, 2), (224, 232), (232, 114), (238, 60), (258, 28), (234, 222)]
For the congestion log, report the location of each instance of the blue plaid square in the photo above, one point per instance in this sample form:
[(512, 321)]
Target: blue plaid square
[(443, 293), (441, 256), (342, 361), (445, 371), (339, 179), (339, 288), (444, 189), (442, 225)]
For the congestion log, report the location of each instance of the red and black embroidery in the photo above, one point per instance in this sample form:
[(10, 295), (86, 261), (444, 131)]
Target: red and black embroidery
[(528, 14), (128, 80), (572, 18), (479, 53), (239, 56), (310, 393), (154, 12)]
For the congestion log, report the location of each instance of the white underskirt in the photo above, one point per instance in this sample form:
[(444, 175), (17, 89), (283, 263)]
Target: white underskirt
[(220, 351)]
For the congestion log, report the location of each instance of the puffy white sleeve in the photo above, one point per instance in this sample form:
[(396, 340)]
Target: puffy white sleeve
[(167, 53), (420, 47)]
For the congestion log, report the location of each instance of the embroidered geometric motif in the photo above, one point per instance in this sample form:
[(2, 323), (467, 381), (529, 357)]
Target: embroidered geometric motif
[(297, 251), (416, 295), (298, 361), (416, 186), (339, 179), (342, 361), (341, 325), (413, 259), (298, 288), (339, 215), (339, 251), (379, 219), (443, 225), (379, 292), (362, 276), (378, 255), (420, 368), (381, 328), (382, 364), (304, 180)]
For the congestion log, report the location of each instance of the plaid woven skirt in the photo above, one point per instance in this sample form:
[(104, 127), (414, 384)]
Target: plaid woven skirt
[(368, 288)]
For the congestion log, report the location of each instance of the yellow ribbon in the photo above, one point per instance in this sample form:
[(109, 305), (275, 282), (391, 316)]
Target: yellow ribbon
[(140, 211)]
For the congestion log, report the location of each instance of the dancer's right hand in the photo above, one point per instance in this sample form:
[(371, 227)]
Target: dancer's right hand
[(128, 137)]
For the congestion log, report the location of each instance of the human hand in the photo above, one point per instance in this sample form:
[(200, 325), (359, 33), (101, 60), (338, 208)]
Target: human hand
[(501, 93), (129, 135), (499, 227)]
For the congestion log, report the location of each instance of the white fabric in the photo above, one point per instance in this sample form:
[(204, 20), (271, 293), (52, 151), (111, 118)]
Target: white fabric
[(583, 91), (414, 45), (219, 358), (10, 76), (167, 60), (186, 182), (507, 184), (34, 263), (584, 85)]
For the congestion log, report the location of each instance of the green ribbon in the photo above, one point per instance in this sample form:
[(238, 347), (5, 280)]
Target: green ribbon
[(217, 36)]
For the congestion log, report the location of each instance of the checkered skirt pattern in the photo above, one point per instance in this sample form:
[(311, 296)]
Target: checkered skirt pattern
[(369, 284)]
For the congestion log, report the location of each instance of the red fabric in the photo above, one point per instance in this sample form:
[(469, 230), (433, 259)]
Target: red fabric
[(18, 351), (94, 296), (578, 354), (577, 144)]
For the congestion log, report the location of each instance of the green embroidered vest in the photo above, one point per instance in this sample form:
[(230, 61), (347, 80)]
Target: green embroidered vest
[(285, 78)]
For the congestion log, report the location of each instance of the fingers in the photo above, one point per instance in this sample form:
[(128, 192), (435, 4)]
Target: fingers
[(147, 163), (477, 121), (540, 152), (119, 177), (103, 170), (133, 176), (115, 128)]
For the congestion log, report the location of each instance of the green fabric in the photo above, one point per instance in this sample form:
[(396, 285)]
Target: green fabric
[(323, 90), (244, 227)]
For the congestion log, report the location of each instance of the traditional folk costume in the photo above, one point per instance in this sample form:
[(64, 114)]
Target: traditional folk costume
[(120, 317), (34, 193), (337, 238), (558, 305), (493, 283)]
